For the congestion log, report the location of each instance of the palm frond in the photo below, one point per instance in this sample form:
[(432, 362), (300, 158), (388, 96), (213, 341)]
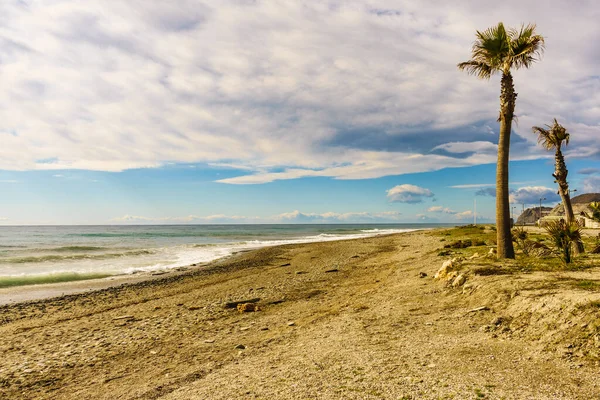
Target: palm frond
[(553, 137), (564, 237), (526, 47), (480, 69), (492, 46), (498, 50), (545, 138), (560, 132)]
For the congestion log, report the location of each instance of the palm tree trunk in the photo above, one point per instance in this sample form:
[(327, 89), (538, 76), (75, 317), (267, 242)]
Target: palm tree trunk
[(507, 108), (560, 174)]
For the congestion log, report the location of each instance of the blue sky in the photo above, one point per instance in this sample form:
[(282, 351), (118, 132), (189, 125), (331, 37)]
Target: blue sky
[(291, 111)]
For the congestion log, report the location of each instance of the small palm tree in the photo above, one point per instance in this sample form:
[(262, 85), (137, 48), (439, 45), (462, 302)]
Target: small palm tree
[(553, 139), (497, 50), (564, 236), (521, 237), (595, 208)]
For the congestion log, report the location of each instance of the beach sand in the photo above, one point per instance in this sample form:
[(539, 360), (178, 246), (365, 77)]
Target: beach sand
[(338, 320)]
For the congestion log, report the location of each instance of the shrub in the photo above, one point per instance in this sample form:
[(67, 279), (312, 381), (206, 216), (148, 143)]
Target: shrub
[(564, 236)]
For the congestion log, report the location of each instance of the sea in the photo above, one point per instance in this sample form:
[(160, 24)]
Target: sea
[(45, 254)]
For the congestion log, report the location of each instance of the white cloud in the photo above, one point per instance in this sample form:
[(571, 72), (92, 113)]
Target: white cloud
[(533, 194), (465, 215), (9, 181), (440, 209), (408, 194), (3, 219), (290, 217), (591, 184), (332, 217), (468, 147), (267, 87)]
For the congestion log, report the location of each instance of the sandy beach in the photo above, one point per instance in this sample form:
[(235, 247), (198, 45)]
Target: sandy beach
[(352, 319)]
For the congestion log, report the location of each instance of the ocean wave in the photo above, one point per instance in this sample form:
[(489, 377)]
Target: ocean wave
[(72, 257), (11, 281), (76, 248), (385, 231)]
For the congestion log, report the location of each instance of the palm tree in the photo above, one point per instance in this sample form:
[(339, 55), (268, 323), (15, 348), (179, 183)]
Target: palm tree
[(595, 208), (498, 50), (553, 138), (564, 235)]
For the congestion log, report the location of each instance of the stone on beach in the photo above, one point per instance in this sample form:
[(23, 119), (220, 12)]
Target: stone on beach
[(459, 280), (248, 307), (447, 267)]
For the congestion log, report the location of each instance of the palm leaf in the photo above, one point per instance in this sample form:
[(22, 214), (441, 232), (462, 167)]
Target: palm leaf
[(498, 50), (526, 47), (553, 137), (545, 137), (480, 69)]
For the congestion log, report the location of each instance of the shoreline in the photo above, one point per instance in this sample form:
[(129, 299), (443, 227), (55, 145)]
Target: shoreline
[(41, 291), (361, 319)]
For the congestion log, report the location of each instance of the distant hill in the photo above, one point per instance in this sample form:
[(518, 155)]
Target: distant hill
[(580, 203), (531, 215), (586, 198)]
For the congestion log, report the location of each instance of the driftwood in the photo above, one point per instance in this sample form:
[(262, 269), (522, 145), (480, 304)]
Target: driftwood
[(234, 304)]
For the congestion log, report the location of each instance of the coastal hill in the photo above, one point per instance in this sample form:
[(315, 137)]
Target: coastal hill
[(531, 215), (580, 203)]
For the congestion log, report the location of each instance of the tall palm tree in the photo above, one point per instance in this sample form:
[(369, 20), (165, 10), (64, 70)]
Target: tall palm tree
[(553, 138), (497, 50)]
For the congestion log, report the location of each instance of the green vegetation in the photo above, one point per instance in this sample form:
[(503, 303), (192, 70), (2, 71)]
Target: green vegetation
[(520, 236), (565, 236), (587, 285), (498, 50), (538, 251), (595, 215)]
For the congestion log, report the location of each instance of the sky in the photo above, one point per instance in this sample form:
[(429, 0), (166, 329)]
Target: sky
[(241, 111)]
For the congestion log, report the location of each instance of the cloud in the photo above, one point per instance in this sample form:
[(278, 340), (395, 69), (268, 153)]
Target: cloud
[(3, 219), (266, 87), (533, 194), (588, 171), (332, 217), (591, 184), (440, 209), (8, 181), (489, 191), (290, 217), (464, 215), (473, 186), (468, 147), (408, 194)]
